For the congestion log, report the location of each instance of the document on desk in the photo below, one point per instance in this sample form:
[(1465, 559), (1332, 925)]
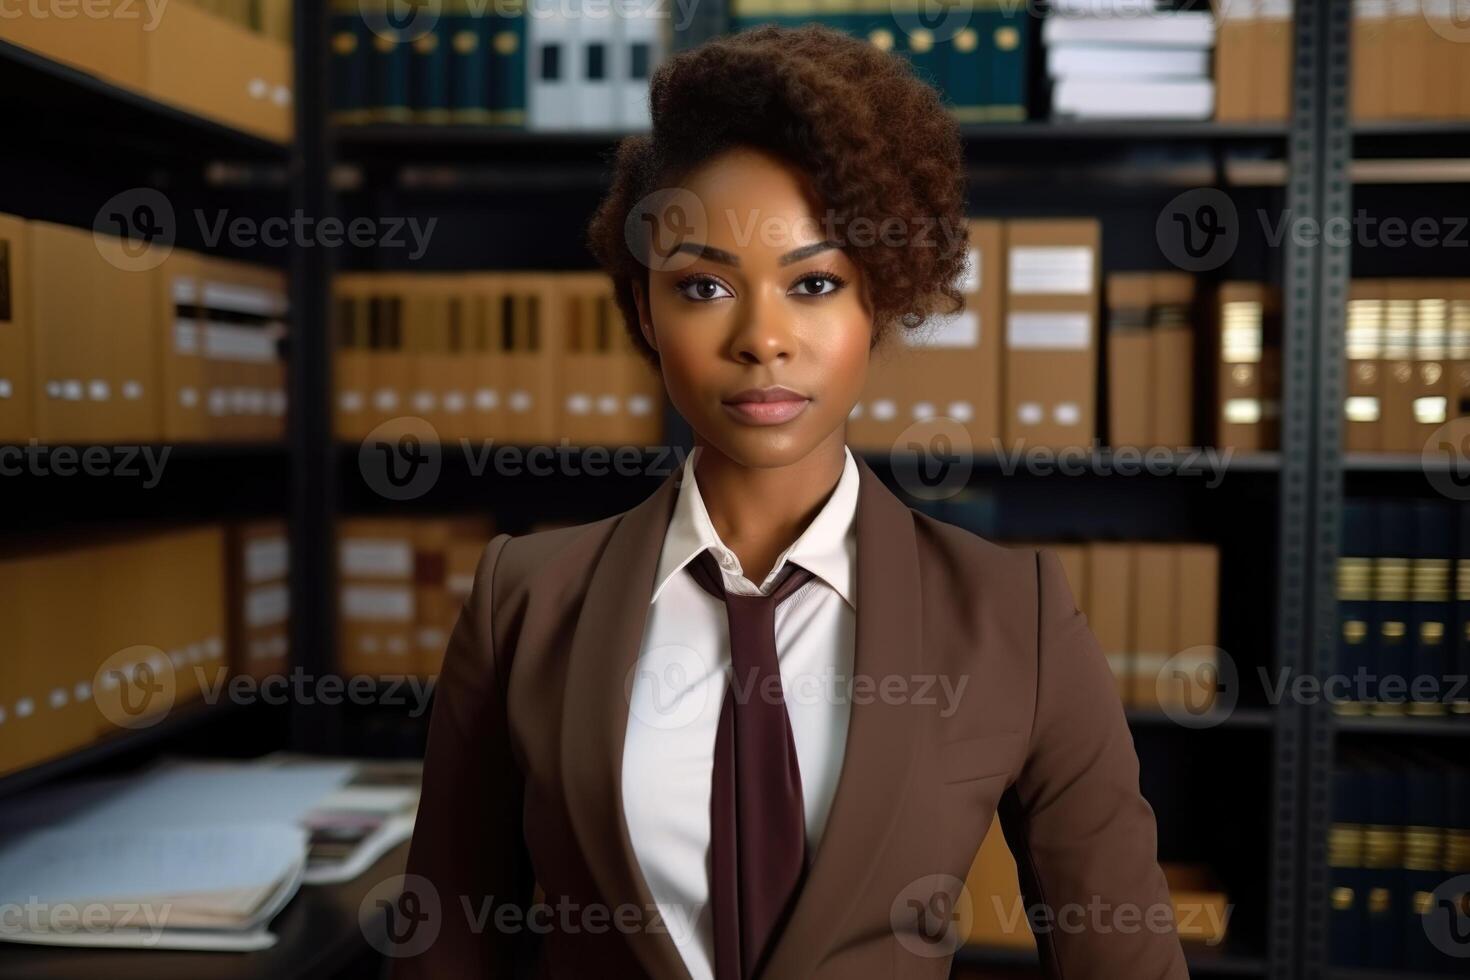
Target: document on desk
[(202, 887)]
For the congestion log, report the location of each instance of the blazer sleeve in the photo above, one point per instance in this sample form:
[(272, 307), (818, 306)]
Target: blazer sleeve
[(1084, 838), (466, 848)]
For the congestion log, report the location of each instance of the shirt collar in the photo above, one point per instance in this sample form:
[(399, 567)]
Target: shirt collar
[(827, 547)]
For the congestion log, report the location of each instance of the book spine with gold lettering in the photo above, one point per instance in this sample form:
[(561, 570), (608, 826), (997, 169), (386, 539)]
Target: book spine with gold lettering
[(1347, 915), (1460, 676), (1363, 406), (1383, 865), (1431, 618), (1392, 570), (1356, 639), (1423, 856)]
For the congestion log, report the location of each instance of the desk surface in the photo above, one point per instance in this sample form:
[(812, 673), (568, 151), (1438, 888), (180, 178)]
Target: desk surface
[(317, 933)]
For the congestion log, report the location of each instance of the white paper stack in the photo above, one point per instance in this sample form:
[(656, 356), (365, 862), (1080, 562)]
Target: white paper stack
[(193, 855), (1129, 61)]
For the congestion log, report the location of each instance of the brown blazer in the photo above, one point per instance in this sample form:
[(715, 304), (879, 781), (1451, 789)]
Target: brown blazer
[(522, 790)]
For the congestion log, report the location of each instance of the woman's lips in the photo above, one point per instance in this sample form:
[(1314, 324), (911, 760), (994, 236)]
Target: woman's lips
[(767, 413)]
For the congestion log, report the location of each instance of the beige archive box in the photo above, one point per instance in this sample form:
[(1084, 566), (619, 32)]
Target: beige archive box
[(1052, 286), (948, 367)]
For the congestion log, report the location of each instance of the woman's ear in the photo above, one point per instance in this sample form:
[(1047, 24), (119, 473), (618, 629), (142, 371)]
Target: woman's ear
[(645, 321)]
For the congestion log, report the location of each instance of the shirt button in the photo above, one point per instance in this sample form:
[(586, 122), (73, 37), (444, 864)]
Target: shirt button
[(728, 560)]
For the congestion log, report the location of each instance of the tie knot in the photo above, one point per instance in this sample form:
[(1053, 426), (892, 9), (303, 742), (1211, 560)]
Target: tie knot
[(706, 571)]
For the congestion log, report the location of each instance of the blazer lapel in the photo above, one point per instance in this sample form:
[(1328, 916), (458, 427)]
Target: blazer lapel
[(604, 651), (881, 738)]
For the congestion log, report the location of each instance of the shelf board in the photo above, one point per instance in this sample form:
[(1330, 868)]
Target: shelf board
[(1202, 962), (1449, 726), (180, 720), (46, 101), (1110, 463), (1407, 463), (1255, 718)]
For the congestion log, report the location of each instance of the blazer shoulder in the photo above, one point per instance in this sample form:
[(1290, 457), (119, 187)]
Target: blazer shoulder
[(975, 558), (555, 554)]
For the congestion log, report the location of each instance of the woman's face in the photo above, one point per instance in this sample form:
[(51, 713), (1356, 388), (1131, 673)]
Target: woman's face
[(743, 297)]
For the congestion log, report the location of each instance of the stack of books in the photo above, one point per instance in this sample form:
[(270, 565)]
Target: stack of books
[(1146, 63)]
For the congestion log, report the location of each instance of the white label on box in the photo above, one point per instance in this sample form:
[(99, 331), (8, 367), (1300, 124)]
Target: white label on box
[(244, 299), (267, 605), (233, 343), (186, 337), (1051, 270), (1030, 413), (946, 330), (1066, 413), (460, 585), (1049, 331), (266, 559), (185, 292), (378, 603), (376, 558)]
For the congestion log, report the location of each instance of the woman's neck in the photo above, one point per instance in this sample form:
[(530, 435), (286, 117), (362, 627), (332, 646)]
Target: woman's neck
[(759, 511)]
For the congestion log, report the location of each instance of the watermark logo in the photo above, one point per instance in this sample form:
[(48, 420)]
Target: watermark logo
[(933, 458), (401, 459), (135, 687), (135, 230), (932, 916), (1450, 19), (400, 21), (401, 916), (1446, 459), (661, 688), (928, 22), (1198, 687), (659, 224), (1199, 230), (1447, 921)]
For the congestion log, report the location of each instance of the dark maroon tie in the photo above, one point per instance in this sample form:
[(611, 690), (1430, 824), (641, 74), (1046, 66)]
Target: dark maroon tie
[(757, 824)]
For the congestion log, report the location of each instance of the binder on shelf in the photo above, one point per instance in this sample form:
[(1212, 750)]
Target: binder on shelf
[(1370, 59), (17, 340), (1400, 331), (1357, 638), (1154, 620), (1052, 276), (1431, 385), (75, 396), (1457, 349), (507, 53), (1363, 407), (260, 599), (556, 66), (1274, 42), (1431, 617), (1249, 356), (1235, 60), (377, 609), (640, 49), (1171, 326), (1129, 359)]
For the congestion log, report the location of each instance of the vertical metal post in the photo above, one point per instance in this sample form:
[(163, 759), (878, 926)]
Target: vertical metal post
[(313, 472), (1334, 159)]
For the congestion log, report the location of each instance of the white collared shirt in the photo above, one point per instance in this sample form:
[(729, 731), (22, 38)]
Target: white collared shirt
[(679, 689)]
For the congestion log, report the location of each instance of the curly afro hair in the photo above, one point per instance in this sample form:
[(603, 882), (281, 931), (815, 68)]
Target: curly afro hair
[(876, 143)]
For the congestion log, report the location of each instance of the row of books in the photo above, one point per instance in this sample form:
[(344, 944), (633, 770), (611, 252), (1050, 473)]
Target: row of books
[(523, 357), (1143, 63), (1403, 600), (567, 66), (226, 60), (401, 584), (1150, 359), (167, 616), (1398, 853), (1253, 60), (975, 55), (1408, 60), (95, 349), (1154, 608), (1408, 361)]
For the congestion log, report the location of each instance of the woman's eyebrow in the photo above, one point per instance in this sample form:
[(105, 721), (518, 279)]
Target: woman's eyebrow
[(726, 258)]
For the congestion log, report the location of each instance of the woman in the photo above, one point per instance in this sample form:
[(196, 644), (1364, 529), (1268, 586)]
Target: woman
[(759, 724)]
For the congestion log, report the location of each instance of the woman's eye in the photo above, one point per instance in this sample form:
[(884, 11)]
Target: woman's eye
[(817, 285), (702, 290)]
